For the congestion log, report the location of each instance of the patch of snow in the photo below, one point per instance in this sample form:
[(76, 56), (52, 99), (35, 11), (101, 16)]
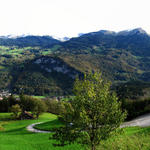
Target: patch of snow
[(132, 32)]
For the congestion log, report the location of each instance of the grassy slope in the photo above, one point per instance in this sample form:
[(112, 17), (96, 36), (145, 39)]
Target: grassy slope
[(132, 138), (15, 137), (48, 126), (114, 66)]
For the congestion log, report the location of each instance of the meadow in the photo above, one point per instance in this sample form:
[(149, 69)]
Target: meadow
[(14, 136)]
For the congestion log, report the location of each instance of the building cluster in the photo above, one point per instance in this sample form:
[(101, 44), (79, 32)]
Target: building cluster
[(4, 94), (57, 98)]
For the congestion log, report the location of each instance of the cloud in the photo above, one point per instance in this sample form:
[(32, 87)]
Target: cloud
[(70, 17)]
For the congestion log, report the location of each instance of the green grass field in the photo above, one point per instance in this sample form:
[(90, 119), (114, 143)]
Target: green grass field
[(14, 136), (40, 97), (133, 138), (48, 126)]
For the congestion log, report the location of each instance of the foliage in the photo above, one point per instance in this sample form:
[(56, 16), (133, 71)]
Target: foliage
[(26, 102), (16, 110), (55, 107), (36, 106), (135, 97), (136, 107), (39, 107), (44, 41), (36, 79), (92, 116), (7, 103), (96, 42), (133, 90), (120, 58)]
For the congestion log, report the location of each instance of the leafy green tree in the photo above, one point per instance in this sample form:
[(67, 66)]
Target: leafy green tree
[(54, 106), (36, 106), (15, 109), (26, 102), (11, 100), (7, 103), (92, 116)]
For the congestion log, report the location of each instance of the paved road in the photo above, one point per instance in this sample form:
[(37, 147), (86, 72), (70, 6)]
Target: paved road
[(141, 121), (32, 129)]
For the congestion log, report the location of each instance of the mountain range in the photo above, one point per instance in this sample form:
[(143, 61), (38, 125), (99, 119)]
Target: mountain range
[(42, 65)]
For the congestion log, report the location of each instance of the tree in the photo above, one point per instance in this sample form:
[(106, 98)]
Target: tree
[(36, 106), (11, 100), (54, 106), (92, 116), (7, 103), (26, 102), (15, 109)]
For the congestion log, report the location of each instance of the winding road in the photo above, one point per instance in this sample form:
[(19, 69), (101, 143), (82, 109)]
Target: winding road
[(141, 121), (32, 129)]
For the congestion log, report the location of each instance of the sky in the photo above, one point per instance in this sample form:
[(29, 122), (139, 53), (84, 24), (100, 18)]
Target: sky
[(62, 18)]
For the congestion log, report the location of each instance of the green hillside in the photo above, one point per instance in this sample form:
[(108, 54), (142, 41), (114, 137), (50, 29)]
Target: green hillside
[(121, 57)]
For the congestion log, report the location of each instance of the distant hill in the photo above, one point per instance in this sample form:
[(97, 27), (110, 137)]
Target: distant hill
[(42, 41), (45, 75), (120, 56), (136, 41)]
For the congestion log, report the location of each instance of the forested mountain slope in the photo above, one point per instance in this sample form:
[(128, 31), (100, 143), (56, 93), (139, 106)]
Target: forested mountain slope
[(43, 65)]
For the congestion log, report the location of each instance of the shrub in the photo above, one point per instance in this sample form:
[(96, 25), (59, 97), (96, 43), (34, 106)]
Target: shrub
[(16, 110), (54, 106)]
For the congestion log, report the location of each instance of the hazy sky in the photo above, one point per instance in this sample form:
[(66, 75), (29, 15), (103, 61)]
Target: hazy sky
[(70, 17)]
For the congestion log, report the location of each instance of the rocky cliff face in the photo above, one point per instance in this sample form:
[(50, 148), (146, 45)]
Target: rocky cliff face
[(51, 64), (46, 75)]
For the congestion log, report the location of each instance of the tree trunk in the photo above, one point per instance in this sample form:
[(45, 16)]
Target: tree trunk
[(93, 147)]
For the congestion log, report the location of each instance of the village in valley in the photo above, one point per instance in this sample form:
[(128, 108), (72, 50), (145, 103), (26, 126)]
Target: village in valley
[(4, 93)]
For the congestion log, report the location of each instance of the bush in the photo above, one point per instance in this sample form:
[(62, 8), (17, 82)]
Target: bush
[(7, 103), (54, 106), (36, 106), (16, 110)]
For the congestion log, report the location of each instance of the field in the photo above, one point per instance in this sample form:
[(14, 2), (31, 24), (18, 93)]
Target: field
[(132, 138), (13, 136)]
